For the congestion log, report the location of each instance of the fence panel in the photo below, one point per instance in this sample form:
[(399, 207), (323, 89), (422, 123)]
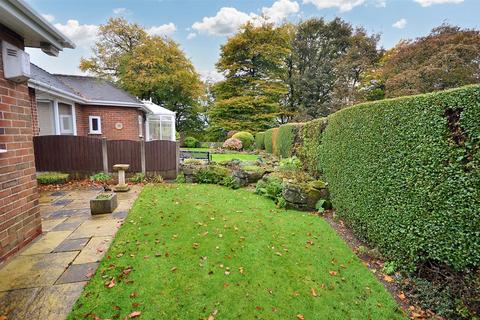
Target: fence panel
[(124, 152), (68, 153), (161, 156)]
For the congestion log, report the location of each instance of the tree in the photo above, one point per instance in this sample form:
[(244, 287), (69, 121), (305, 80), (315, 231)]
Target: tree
[(116, 39), (446, 58), (252, 94), (328, 61), (150, 68), (159, 70)]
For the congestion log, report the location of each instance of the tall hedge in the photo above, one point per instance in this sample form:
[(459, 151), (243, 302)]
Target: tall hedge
[(405, 174), (308, 151), (274, 141), (268, 141), (260, 140), (287, 138)]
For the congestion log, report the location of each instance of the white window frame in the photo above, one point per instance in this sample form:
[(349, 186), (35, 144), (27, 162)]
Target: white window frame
[(62, 128), (90, 125), (57, 126), (140, 126)]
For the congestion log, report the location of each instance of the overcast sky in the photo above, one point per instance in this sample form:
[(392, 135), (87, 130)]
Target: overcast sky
[(201, 26)]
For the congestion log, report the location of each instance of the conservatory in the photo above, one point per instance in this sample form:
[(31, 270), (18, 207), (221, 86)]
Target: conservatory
[(160, 123)]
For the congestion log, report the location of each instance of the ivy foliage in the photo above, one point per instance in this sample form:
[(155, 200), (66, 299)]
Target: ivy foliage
[(405, 174)]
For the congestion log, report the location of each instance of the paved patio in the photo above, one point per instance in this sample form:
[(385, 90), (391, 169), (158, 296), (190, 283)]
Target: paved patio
[(45, 279)]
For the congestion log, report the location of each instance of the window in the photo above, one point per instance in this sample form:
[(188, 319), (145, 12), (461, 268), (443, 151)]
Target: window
[(140, 126), (95, 124), (66, 126)]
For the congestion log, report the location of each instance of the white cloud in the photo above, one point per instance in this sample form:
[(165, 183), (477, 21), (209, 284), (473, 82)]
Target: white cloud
[(400, 24), (343, 5), (227, 20), (427, 3), (163, 30), (49, 17), (191, 35), (210, 76), (120, 11), (280, 10), (381, 3), (80, 34)]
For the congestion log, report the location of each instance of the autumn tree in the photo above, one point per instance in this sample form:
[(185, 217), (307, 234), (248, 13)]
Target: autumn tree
[(448, 57), (148, 67), (252, 94)]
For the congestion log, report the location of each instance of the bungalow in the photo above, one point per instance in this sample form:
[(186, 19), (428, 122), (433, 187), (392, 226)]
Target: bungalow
[(20, 27), (89, 106)]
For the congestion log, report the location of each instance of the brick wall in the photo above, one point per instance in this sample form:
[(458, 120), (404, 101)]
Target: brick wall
[(19, 211), (109, 117)]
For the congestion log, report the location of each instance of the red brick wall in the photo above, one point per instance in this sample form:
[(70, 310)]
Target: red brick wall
[(19, 211), (109, 117)]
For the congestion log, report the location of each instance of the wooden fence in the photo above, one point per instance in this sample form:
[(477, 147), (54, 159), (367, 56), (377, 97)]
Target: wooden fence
[(87, 155)]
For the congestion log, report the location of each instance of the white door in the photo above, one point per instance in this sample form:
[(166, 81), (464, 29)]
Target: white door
[(46, 121)]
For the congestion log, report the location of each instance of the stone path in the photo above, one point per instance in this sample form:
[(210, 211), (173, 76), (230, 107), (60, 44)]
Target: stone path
[(45, 279)]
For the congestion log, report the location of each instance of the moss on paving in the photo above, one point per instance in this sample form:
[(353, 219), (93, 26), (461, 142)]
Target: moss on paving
[(179, 241)]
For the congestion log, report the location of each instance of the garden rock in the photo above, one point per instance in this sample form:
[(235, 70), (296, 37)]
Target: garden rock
[(304, 196)]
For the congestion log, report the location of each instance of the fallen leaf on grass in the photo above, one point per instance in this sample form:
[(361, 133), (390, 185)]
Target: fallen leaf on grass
[(111, 284), (300, 317), (387, 278), (333, 273), (314, 292), (401, 296), (173, 269), (210, 317), (259, 308), (133, 295), (195, 245), (134, 314)]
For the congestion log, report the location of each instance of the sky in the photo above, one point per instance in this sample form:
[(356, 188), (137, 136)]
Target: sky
[(202, 26)]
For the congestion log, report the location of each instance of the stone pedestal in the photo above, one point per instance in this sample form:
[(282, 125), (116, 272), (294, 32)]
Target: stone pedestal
[(121, 186)]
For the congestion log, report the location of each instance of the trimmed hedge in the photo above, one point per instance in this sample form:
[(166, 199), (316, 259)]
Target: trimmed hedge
[(405, 174), (274, 141), (286, 139), (245, 137), (268, 141), (308, 151), (260, 140)]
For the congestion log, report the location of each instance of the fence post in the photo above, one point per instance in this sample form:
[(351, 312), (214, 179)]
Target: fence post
[(177, 155), (142, 156), (105, 155)]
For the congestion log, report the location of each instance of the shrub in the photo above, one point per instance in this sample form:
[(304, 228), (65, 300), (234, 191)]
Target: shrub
[(100, 177), (404, 173), (180, 178), (246, 137), (268, 141), (274, 141), (308, 151), (260, 140), (213, 174), (230, 182), (286, 138), (290, 164), (52, 178), (232, 144), (193, 161), (191, 142), (138, 177), (270, 187)]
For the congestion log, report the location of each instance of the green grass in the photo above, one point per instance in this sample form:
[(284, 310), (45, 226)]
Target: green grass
[(217, 157), (179, 241)]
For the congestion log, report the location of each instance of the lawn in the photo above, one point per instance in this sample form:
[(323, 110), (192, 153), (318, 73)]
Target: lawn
[(204, 251), (217, 157)]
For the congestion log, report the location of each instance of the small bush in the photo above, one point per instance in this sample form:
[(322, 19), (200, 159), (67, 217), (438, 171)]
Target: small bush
[(100, 177), (52, 178), (180, 178), (268, 141), (260, 140), (270, 187), (138, 177), (233, 144), (290, 164), (230, 182), (246, 138), (191, 142), (213, 174), (155, 179)]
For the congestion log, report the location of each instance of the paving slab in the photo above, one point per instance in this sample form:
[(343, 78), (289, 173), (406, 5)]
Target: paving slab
[(78, 273), (49, 224), (72, 245), (96, 228), (46, 243), (34, 271), (94, 250), (47, 303), (68, 213), (69, 225), (61, 202)]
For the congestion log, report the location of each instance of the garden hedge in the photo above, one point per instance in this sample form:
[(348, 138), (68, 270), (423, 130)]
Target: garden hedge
[(405, 175), (268, 141), (246, 137), (308, 151), (286, 139), (274, 141), (260, 140)]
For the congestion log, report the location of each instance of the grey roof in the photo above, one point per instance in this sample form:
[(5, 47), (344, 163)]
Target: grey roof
[(38, 74), (92, 88), (87, 88)]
